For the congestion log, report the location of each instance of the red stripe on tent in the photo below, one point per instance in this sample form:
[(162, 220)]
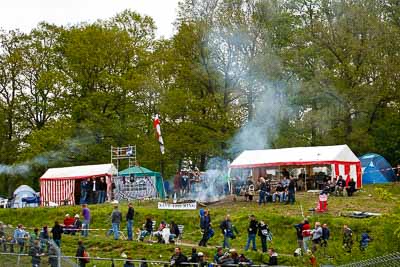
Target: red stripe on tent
[(337, 171), (359, 179), (347, 173), (275, 164)]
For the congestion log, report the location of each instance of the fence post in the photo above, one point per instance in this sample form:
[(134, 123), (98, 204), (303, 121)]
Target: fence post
[(18, 259)]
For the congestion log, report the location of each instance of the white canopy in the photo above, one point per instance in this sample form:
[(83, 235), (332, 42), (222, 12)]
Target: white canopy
[(295, 156), (79, 172)]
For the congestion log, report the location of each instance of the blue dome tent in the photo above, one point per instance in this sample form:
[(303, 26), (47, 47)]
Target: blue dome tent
[(376, 169)]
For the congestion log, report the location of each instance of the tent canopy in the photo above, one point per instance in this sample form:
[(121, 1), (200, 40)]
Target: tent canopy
[(138, 171), (295, 156), (79, 172), (23, 191), (376, 169)]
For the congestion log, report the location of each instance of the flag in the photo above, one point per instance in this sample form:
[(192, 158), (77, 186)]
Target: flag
[(156, 124)]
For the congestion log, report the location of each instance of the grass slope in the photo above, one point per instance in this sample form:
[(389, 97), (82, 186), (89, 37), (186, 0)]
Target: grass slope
[(280, 218)]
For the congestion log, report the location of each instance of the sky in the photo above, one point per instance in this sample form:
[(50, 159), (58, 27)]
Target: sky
[(26, 14)]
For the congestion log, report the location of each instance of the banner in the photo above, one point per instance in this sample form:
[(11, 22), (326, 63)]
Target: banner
[(181, 206)]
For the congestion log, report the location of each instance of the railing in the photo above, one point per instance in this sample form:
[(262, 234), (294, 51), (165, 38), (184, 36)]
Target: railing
[(386, 260)]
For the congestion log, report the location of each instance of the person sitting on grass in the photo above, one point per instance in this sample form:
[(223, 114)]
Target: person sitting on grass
[(77, 225), (159, 232), (174, 231), (68, 224)]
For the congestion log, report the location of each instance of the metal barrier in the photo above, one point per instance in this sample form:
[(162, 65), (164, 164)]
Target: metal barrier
[(390, 260)]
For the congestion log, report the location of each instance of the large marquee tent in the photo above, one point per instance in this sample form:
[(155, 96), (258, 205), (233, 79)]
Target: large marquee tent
[(57, 185), (340, 158)]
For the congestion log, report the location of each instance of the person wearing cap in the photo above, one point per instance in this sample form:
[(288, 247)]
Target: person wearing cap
[(201, 260), (116, 218), (77, 224), (252, 232)]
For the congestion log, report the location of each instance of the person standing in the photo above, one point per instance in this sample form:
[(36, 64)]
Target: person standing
[(129, 221), (263, 191), (306, 231), (205, 226), (347, 238), (291, 191), (19, 237), (116, 218), (84, 191), (80, 253), (95, 191), (36, 253), (102, 187), (263, 231), (178, 259), (252, 232), (227, 230), (299, 234), (316, 236), (325, 235), (86, 220), (57, 231)]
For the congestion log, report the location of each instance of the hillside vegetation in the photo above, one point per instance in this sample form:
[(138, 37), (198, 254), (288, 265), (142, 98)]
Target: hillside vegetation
[(383, 199)]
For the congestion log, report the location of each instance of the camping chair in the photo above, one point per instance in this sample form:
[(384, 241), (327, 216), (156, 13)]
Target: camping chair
[(30, 200), (180, 236)]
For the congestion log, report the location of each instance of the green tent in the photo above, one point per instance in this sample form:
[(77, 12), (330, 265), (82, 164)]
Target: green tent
[(138, 171)]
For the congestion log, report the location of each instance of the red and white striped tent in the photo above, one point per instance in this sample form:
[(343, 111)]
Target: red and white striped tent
[(58, 184), (340, 158)]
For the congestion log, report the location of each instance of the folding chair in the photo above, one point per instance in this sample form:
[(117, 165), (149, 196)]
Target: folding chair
[(180, 236)]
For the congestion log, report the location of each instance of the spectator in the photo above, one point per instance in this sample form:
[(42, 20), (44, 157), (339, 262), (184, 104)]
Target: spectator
[(364, 242), (174, 231), (291, 191), (279, 192), (227, 231), (84, 191), (285, 182), (129, 262), (340, 184), (86, 220), (68, 223), (148, 229), (94, 187), (263, 231), (299, 234), (116, 218), (36, 254), (102, 188), (205, 226), (57, 233), (252, 232), (263, 191), (316, 236), (77, 225), (19, 237), (53, 261), (129, 221), (306, 234), (273, 257), (194, 257), (218, 255), (325, 235), (159, 232), (44, 237), (201, 262), (34, 235), (351, 188), (178, 258), (81, 254), (347, 238), (89, 198)]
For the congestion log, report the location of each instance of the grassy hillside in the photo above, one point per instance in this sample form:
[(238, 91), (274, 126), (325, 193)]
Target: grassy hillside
[(383, 199)]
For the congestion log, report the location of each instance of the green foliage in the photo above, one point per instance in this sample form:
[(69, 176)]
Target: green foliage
[(383, 194)]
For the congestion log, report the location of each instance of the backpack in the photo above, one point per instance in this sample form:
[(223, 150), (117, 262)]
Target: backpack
[(85, 257)]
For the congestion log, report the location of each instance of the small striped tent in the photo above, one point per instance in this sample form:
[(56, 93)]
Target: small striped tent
[(58, 185)]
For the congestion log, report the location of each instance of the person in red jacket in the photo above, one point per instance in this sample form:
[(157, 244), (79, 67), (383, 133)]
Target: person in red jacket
[(306, 231), (68, 224)]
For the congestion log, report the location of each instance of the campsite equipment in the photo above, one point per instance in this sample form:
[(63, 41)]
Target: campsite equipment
[(22, 194), (376, 169)]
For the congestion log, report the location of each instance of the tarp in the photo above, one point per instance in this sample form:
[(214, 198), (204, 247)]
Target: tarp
[(58, 184), (23, 191), (138, 171), (79, 172), (343, 161), (376, 169)]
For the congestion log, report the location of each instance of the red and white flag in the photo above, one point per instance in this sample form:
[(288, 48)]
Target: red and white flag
[(156, 124)]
